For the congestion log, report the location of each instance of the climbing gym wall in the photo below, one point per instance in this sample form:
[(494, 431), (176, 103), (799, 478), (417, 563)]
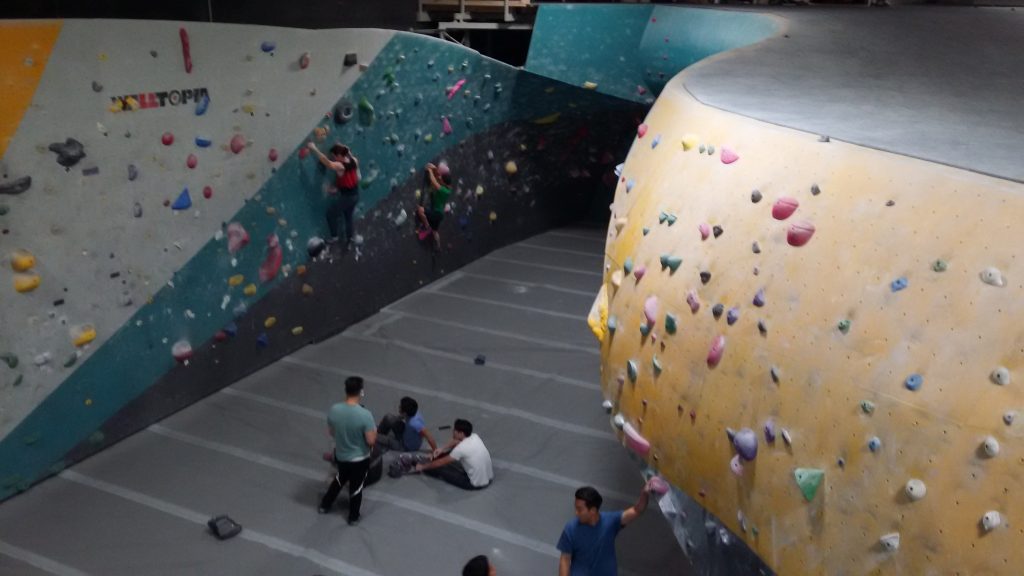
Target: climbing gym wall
[(163, 226), (817, 343)]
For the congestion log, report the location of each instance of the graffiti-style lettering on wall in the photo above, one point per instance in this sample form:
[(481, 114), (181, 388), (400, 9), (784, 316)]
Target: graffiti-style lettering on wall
[(144, 100)]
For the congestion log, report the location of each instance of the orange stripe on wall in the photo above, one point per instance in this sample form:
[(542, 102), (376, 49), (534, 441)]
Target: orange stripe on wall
[(27, 47)]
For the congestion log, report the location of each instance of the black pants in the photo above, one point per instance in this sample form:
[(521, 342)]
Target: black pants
[(342, 206), (390, 433), (354, 474), (453, 474)]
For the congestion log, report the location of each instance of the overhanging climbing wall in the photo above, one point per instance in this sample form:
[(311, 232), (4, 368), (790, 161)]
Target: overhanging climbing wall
[(168, 242), (818, 343)]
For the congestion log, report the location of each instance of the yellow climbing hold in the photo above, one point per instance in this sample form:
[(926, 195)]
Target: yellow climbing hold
[(248, 108), (307, 290), (88, 401), (479, 190), (22, 260), (617, 278), (690, 141), (598, 317), (82, 335), (250, 290), (26, 282), (590, 85), (620, 223), (419, 194), (297, 330), (269, 322), (493, 217), (511, 168), (117, 105), (549, 119), (301, 270), (236, 280)]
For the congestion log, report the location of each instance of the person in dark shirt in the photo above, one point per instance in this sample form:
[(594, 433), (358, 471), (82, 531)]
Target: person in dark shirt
[(342, 204), (587, 543)]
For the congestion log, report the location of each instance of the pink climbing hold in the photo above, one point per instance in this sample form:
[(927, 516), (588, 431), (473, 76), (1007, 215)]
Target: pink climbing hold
[(641, 90), (716, 351), (272, 155), (181, 350), (237, 143), (207, 192), (651, 310), (272, 263), (304, 60), (799, 233), (186, 49), (237, 237), (736, 465), (191, 161), (167, 139), (693, 301), (636, 442), (455, 89), (705, 230), (784, 207), (658, 485), (639, 272), (641, 130), (446, 126), (729, 156)]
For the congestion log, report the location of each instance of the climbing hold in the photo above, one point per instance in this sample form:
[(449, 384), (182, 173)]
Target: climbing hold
[(769, 431), (272, 155), (717, 231), (651, 310), (511, 168), (815, 190), (269, 322), (272, 262), (351, 59), (617, 278), (916, 489), (182, 350), (775, 374), (705, 277), (304, 60), (296, 331), (693, 301), (137, 210), (732, 315), (262, 340), (662, 217), (809, 480), (607, 406), (670, 262), (990, 446), (670, 324), (658, 485), (913, 382), (202, 104), (237, 237), (167, 139), (891, 542), (874, 444), (268, 46), (588, 85), (627, 266), (711, 150), (784, 207), (786, 437), (446, 126), (207, 192), (249, 290), (701, 149), (68, 152), (843, 326), (645, 329), (307, 290), (22, 260), (634, 441), (759, 298), (641, 130), (1008, 417), (236, 280), (203, 142), (799, 233), (613, 324), (191, 161), (620, 223), (17, 186), (492, 217), (898, 284), (690, 142), (991, 520), (993, 277), (671, 219), (736, 465), (755, 196), (756, 248), (629, 186), (26, 282), (1001, 376), (632, 370), (639, 272), (940, 265), (657, 365), (82, 335), (655, 141), (762, 327), (183, 202), (745, 442), (705, 230), (716, 351), (237, 143), (717, 310), (867, 406), (728, 156), (10, 359)]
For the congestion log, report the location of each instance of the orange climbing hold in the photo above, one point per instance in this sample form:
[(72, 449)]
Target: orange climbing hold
[(236, 280), (26, 282), (82, 335), (22, 260)]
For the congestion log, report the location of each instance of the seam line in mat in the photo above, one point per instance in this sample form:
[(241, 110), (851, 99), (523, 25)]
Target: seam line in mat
[(587, 293), (39, 561), (544, 266), (571, 235), (554, 313), (562, 250)]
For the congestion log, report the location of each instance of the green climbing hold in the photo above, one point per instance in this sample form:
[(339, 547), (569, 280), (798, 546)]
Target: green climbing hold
[(867, 406), (671, 219), (670, 262), (71, 360), (366, 113), (645, 328), (10, 358), (657, 365), (662, 217), (844, 326), (808, 479), (755, 531), (646, 230), (940, 265), (627, 267), (389, 77), (670, 324), (631, 369), (4, 209)]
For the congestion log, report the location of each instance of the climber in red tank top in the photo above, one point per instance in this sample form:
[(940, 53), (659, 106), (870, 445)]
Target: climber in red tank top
[(341, 204)]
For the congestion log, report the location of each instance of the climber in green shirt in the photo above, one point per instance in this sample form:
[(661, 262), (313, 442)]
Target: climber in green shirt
[(431, 214)]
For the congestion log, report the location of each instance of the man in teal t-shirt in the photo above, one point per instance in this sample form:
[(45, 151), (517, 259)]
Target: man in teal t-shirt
[(354, 435), (430, 216)]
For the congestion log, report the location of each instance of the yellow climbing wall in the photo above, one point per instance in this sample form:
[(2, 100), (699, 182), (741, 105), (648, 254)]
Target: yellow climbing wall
[(27, 47), (878, 217)]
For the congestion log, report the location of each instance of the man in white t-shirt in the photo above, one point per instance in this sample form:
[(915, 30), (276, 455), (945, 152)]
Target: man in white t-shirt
[(464, 462)]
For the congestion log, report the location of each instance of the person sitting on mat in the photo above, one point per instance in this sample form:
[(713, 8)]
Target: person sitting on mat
[(404, 431), (431, 215), (464, 462)]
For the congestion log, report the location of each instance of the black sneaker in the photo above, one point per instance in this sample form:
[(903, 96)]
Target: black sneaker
[(322, 510), (353, 521)]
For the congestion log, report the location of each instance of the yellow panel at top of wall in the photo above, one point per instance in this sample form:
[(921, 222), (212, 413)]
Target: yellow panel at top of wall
[(26, 50), (878, 217)]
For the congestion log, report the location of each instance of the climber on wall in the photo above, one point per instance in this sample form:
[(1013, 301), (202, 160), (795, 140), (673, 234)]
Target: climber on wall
[(343, 202), (431, 214)]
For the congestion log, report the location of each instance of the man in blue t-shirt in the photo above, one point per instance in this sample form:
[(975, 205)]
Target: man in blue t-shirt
[(588, 542), (404, 431)]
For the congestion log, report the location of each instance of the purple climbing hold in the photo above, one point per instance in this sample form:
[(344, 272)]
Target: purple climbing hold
[(732, 315), (745, 443), (693, 301), (231, 329), (184, 201), (759, 298), (651, 310), (769, 431)]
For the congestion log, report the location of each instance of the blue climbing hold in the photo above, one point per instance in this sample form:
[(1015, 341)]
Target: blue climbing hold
[(203, 142), (645, 328), (629, 185), (627, 267), (268, 46), (899, 284), (632, 370), (231, 329), (874, 444), (759, 298), (656, 141), (202, 105), (184, 201), (262, 340), (732, 315), (913, 382), (670, 324)]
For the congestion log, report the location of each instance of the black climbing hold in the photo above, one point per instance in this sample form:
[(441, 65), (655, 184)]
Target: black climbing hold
[(16, 186), (115, 274), (762, 327), (705, 277), (343, 112), (59, 302), (824, 138), (351, 59), (815, 190), (96, 86), (890, 203), (717, 231), (133, 172), (91, 171), (480, 360), (755, 196), (68, 153), (153, 53), (717, 310), (756, 248)]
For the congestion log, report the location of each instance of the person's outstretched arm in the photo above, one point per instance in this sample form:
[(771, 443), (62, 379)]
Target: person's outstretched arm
[(336, 166), (637, 509), (435, 463), (430, 439)]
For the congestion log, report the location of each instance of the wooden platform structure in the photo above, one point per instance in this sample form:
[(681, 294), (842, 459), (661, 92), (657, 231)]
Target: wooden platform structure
[(478, 14)]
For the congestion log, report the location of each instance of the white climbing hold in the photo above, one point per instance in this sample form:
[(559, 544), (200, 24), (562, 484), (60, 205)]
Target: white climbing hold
[(619, 420), (993, 277), (916, 489), (891, 542), (401, 218), (990, 446), (991, 520), (607, 406), (620, 223), (786, 437), (1001, 376)]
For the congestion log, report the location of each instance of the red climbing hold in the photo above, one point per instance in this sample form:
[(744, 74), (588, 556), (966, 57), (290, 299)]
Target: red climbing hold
[(729, 156), (641, 130), (784, 207), (716, 351), (167, 139), (181, 350), (192, 161), (207, 192), (220, 336), (272, 155), (799, 233), (237, 237), (186, 50), (303, 152), (304, 60), (272, 263)]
